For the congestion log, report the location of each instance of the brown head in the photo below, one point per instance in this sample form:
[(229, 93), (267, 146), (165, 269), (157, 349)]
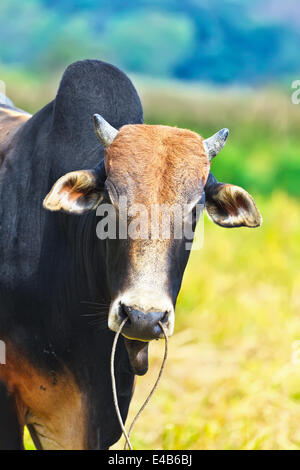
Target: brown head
[(161, 174)]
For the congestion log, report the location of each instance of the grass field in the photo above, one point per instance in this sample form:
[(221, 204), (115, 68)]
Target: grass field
[(230, 381)]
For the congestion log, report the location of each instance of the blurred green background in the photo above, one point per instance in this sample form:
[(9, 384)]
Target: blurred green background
[(231, 382)]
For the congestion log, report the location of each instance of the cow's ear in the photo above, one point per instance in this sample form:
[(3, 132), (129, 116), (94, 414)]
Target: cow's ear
[(230, 206), (76, 192)]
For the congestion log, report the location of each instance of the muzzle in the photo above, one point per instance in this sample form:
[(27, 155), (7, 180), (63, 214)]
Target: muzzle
[(140, 325)]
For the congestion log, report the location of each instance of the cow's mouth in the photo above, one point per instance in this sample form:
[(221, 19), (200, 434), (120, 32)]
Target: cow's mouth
[(138, 355)]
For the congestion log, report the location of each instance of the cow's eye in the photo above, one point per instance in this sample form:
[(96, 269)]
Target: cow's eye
[(197, 203), (106, 197), (112, 194), (194, 216), (194, 209)]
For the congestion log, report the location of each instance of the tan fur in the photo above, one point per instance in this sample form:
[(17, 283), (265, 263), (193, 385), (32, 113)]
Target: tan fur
[(158, 164), (51, 405), (10, 120)]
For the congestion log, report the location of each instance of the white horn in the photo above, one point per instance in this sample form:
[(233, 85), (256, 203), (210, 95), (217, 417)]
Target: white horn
[(214, 144), (104, 131)]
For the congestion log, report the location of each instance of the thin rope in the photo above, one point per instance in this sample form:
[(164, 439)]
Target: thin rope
[(113, 380), (114, 388)]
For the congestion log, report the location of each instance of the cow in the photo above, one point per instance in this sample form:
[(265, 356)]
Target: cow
[(86, 148)]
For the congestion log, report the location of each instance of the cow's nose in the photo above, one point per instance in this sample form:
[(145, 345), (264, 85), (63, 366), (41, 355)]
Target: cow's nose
[(142, 326)]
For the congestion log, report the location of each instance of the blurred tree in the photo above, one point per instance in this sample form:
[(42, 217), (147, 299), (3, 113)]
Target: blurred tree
[(221, 41), (149, 42), (68, 46)]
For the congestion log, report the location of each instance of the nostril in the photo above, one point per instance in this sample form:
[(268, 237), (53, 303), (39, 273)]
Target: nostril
[(124, 312), (165, 317)]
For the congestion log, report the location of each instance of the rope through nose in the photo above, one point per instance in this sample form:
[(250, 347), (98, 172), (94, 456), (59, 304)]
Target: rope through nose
[(114, 388), (113, 381)]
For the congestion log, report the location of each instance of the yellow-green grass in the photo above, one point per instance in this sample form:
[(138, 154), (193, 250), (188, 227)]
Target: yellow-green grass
[(230, 382)]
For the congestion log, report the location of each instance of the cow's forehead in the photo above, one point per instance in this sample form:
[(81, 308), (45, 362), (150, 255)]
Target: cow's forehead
[(166, 161)]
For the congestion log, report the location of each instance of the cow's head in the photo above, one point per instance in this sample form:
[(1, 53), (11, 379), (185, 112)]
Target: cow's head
[(154, 168)]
